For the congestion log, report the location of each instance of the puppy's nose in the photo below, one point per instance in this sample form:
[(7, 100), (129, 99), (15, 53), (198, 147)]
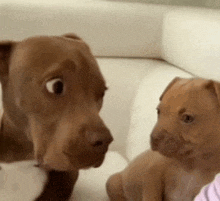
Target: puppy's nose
[(155, 139), (99, 139)]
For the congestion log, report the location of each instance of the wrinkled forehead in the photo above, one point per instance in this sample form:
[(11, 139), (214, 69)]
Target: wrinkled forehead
[(190, 93), (37, 55)]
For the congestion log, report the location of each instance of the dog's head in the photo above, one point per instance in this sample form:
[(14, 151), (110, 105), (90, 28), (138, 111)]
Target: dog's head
[(53, 89), (188, 125)]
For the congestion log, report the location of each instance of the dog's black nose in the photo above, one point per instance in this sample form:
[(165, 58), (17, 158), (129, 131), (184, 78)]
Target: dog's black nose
[(99, 139)]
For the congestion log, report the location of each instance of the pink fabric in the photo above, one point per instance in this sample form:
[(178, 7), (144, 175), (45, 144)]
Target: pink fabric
[(210, 192)]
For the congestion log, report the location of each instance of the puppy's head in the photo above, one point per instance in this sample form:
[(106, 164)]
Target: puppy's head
[(53, 90), (188, 125)]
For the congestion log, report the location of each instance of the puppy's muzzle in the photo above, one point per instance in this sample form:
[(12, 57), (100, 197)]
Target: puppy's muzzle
[(156, 138)]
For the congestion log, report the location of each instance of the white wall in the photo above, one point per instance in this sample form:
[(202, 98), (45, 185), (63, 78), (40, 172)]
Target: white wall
[(199, 3)]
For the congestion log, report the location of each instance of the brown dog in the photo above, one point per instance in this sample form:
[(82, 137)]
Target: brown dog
[(185, 143), (52, 94)]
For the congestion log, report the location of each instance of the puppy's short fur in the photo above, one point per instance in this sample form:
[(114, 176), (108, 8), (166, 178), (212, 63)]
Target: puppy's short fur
[(52, 94), (185, 145)]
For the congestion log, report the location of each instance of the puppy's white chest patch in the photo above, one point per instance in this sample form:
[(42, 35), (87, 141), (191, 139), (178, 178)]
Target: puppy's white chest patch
[(184, 188)]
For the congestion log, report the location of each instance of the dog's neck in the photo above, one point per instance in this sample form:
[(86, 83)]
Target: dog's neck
[(210, 161), (205, 163), (14, 144)]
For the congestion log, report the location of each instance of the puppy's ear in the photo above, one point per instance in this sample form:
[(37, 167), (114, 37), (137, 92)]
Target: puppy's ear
[(214, 87), (169, 86), (72, 36), (5, 53)]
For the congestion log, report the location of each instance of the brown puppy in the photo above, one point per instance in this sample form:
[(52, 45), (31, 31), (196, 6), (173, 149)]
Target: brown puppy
[(52, 94), (185, 143)]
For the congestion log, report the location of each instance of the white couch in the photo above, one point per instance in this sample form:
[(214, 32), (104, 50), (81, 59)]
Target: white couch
[(140, 48)]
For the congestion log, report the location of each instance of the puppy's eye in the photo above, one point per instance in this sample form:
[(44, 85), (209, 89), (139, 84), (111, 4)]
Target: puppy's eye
[(55, 86), (187, 118)]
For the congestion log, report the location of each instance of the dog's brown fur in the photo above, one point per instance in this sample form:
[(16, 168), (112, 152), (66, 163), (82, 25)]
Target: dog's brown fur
[(62, 131), (185, 143)]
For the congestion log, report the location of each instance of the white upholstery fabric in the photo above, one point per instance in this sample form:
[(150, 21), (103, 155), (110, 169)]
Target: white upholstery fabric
[(22, 181), (110, 28), (91, 183), (191, 40)]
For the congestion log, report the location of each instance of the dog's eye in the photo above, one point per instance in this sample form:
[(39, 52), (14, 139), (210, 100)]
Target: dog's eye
[(187, 118), (55, 86)]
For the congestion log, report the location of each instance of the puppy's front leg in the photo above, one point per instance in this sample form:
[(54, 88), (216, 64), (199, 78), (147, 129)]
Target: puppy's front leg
[(59, 186)]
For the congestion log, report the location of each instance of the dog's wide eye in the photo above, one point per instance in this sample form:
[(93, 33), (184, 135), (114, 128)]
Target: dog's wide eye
[(55, 86), (187, 118)]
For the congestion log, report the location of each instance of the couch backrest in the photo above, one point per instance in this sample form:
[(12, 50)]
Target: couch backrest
[(191, 40), (113, 29)]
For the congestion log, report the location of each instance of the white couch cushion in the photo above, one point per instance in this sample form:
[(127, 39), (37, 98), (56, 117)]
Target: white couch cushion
[(110, 28), (143, 114), (22, 181), (191, 40), (91, 183)]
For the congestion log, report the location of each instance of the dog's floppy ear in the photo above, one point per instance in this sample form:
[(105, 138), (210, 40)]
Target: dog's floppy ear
[(169, 86), (5, 52), (72, 36), (214, 87)]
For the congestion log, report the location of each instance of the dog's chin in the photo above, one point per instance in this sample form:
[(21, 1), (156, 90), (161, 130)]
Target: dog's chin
[(94, 164), (163, 149), (172, 147), (69, 162), (98, 163), (86, 163), (182, 154), (154, 146)]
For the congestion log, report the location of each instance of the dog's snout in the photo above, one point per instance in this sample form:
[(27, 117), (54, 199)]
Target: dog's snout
[(99, 139), (156, 138)]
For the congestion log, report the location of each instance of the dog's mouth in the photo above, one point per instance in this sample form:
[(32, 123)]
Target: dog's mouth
[(75, 162), (66, 158), (156, 142), (168, 147), (99, 163), (86, 160), (172, 148)]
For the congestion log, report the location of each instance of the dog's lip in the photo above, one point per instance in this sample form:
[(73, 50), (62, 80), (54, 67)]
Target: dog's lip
[(99, 162), (96, 164), (154, 145)]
